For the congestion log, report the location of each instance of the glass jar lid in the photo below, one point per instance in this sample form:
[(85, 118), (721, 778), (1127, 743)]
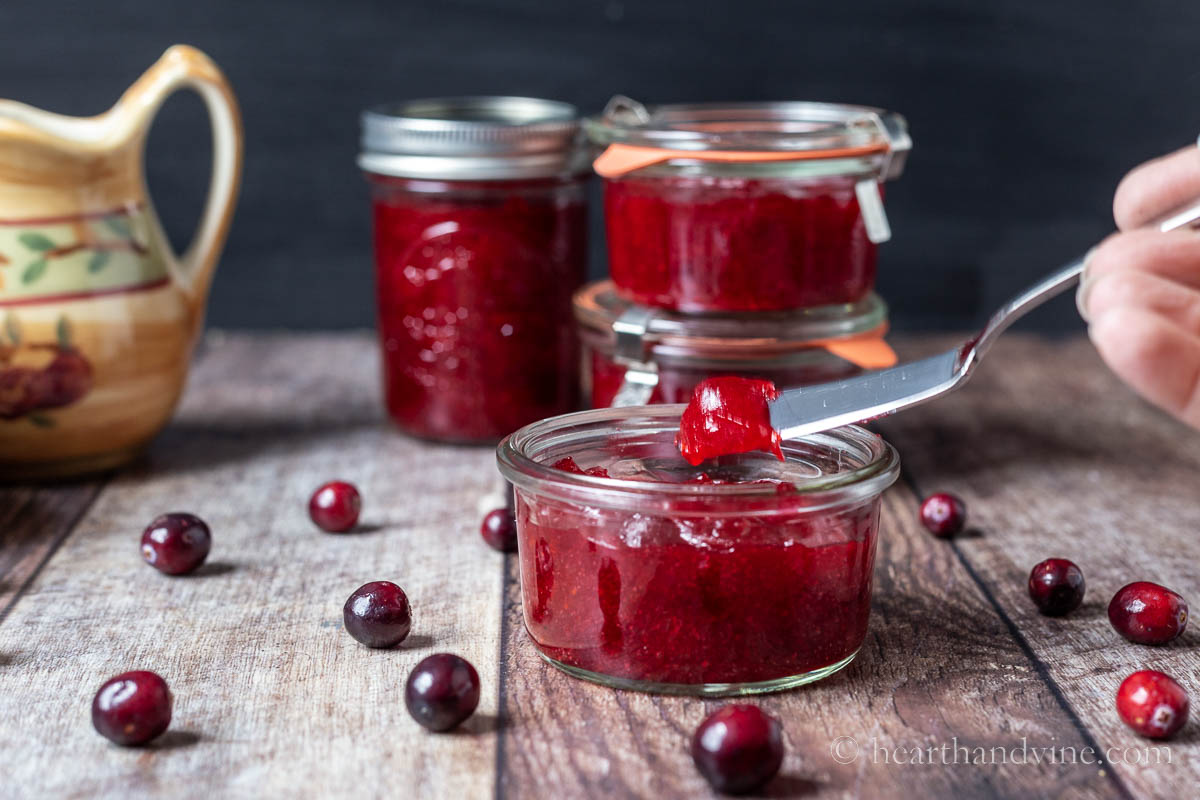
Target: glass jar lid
[(472, 138), (748, 132), (638, 332)]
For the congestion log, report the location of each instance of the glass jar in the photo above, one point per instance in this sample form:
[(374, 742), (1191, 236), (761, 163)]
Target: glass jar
[(480, 239), (746, 207), (639, 572), (634, 355)]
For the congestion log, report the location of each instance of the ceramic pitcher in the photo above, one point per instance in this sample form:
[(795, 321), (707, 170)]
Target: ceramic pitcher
[(97, 315)]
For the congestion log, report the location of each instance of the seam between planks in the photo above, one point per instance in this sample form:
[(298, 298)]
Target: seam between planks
[(502, 691), (52, 550), (1039, 666)]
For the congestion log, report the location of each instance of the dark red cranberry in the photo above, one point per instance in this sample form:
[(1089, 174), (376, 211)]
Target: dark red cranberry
[(738, 748), (1152, 703), (132, 708), (377, 614), (334, 506), (1147, 613), (442, 691), (943, 514), (176, 543), (1056, 586), (499, 530)]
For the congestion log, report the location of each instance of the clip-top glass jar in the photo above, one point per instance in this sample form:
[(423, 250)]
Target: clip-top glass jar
[(633, 355), (642, 572), (747, 206), (480, 240)]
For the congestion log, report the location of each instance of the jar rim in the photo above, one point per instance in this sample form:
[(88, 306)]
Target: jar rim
[(771, 126), (516, 458), (598, 306)]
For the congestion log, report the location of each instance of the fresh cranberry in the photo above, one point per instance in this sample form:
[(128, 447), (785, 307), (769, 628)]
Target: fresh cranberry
[(1147, 613), (943, 514), (568, 465), (499, 530), (738, 748), (1056, 586), (377, 614), (132, 708), (334, 506), (442, 691), (176, 543), (1152, 703)]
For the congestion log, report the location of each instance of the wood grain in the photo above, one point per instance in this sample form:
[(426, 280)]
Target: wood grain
[(272, 697), (1055, 457), (34, 521)]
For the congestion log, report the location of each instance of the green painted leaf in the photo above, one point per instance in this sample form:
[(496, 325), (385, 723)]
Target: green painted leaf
[(36, 241), (63, 330), (13, 329), (41, 420), (98, 260), (119, 226), (34, 271)]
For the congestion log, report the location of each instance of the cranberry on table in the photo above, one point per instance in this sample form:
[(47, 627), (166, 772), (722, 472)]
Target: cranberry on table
[(499, 530), (176, 543), (334, 506), (738, 748), (1152, 703), (377, 614), (1056, 586), (1147, 613), (132, 708), (943, 514), (442, 691)]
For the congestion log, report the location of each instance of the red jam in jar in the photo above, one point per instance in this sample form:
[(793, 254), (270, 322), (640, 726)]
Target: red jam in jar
[(480, 241), (641, 571), (749, 207), (675, 352)]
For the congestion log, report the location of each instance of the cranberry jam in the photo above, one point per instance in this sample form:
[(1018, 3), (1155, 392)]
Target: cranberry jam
[(480, 239), (746, 574), (678, 351), (746, 207)]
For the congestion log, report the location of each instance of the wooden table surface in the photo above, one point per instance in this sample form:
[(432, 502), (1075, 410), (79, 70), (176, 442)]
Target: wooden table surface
[(961, 691)]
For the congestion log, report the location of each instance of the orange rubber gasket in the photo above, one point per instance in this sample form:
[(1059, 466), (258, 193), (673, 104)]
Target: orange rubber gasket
[(621, 159)]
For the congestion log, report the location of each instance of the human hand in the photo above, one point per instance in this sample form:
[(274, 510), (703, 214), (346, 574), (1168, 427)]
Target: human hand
[(1140, 290)]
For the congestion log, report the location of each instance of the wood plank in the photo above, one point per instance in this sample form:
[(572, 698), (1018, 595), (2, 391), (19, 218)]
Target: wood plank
[(939, 667), (34, 521), (272, 698), (1055, 457)]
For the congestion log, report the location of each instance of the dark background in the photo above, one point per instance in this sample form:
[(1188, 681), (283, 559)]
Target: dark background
[(1024, 115)]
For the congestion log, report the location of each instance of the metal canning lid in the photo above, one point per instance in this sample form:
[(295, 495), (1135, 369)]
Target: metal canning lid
[(607, 318), (806, 129), (472, 138)]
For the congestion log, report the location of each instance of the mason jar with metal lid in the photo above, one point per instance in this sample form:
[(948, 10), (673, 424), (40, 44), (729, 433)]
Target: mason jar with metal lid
[(745, 206), (633, 355), (480, 240)]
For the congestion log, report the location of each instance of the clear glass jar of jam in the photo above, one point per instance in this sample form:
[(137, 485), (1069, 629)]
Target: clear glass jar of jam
[(745, 207), (640, 571), (633, 355), (480, 239)]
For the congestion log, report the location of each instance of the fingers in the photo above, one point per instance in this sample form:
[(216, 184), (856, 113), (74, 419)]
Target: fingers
[(1130, 289), (1160, 360), (1156, 187), (1174, 255)]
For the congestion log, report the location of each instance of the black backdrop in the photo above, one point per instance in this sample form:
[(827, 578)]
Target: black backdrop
[(1024, 115)]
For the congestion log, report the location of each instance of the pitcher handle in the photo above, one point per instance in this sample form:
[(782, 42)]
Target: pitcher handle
[(185, 67)]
